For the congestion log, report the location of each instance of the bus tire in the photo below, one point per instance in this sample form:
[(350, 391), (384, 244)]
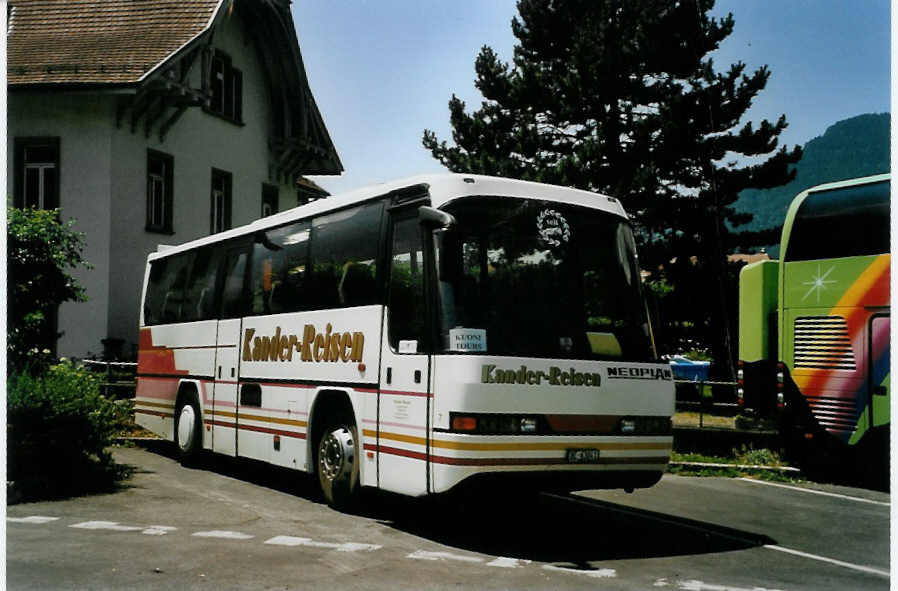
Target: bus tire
[(188, 429), (338, 464)]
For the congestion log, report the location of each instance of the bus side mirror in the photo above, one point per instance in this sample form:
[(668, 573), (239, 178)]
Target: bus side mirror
[(433, 218)]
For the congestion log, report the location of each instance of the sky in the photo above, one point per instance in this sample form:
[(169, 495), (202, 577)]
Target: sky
[(383, 71)]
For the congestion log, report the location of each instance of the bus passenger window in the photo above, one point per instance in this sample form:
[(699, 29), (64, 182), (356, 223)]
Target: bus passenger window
[(165, 292), (200, 293), (233, 297), (280, 257), (342, 259)]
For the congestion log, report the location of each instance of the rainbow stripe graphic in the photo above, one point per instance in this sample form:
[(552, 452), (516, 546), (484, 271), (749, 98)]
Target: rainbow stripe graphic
[(845, 393)]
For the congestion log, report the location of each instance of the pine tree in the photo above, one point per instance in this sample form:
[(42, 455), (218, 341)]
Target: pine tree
[(619, 97)]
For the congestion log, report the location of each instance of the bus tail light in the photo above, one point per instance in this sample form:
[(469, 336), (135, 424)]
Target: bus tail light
[(740, 383), (780, 385), (463, 423)]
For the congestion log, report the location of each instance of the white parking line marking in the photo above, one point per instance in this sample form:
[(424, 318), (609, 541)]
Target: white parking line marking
[(866, 569), (503, 562), (228, 535), (340, 547), (105, 525), (158, 530), (693, 585), (817, 492), (600, 573), (424, 555), (36, 519)]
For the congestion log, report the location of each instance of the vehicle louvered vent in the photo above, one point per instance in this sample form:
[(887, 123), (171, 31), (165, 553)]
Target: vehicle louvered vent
[(822, 342)]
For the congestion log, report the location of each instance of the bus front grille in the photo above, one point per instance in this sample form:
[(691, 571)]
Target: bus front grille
[(822, 342)]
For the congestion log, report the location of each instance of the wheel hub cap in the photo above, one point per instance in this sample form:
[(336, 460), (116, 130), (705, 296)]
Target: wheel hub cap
[(186, 423), (336, 454)]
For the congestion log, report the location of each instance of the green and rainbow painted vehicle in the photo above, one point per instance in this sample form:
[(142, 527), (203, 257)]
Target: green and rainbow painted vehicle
[(814, 326)]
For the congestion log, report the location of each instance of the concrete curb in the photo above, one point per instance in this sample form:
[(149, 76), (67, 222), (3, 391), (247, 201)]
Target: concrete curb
[(788, 469)]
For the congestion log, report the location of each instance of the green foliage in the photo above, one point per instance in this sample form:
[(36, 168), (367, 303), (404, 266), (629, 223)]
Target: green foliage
[(41, 252), (58, 430), (746, 454)]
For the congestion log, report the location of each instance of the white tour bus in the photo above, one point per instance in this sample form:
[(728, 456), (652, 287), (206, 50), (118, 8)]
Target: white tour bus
[(411, 336)]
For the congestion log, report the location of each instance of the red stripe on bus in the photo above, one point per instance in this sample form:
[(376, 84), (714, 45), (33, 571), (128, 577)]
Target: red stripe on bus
[(509, 461), (293, 434), (279, 384), (396, 451), (399, 393), (155, 413)]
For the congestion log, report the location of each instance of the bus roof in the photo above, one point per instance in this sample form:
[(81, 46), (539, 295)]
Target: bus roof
[(797, 202), (442, 188)]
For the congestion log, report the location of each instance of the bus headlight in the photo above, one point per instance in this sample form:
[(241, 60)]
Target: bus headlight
[(528, 425)]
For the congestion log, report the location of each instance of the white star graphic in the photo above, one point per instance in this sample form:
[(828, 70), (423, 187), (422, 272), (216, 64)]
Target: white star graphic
[(819, 283)]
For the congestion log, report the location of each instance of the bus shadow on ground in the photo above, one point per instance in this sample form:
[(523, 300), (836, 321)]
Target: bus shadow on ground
[(563, 529), (566, 530), (258, 473)]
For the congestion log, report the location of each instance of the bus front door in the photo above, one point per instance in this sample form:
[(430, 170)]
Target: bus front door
[(404, 394)]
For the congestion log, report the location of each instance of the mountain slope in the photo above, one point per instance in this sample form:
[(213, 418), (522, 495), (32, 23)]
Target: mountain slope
[(851, 148)]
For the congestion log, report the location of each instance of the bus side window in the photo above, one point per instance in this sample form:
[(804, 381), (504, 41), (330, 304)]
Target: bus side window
[(280, 257), (342, 260), (165, 293), (199, 301), (233, 296), (152, 306), (406, 296)]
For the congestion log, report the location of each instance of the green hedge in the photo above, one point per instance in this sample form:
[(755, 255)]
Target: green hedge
[(59, 428)]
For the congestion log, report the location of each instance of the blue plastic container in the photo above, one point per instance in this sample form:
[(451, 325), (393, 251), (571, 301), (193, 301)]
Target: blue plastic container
[(687, 369)]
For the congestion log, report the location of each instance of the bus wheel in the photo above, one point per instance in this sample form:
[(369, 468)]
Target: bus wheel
[(338, 465), (188, 430)]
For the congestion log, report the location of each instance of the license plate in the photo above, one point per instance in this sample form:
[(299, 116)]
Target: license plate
[(582, 456)]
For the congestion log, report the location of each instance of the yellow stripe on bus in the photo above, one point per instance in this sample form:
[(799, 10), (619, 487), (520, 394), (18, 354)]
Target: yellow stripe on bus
[(139, 402), (276, 420), (528, 446)]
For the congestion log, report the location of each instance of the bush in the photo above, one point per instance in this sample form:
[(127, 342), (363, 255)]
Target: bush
[(58, 430), (42, 251)]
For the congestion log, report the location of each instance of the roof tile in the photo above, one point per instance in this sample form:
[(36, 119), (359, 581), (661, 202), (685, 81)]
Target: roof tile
[(98, 41)]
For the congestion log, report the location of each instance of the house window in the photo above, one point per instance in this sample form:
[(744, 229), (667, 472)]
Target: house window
[(269, 200), (227, 88), (221, 201), (160, 186), (37, 172)]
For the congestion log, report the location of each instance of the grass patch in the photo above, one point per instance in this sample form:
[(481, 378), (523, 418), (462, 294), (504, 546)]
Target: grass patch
[(736, 465), (694, 419)]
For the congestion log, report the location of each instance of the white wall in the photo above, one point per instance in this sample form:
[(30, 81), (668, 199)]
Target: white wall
[(103, 184), (83, 124)]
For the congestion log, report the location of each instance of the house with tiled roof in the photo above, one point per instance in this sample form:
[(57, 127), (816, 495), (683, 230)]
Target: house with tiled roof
[(154, 122)]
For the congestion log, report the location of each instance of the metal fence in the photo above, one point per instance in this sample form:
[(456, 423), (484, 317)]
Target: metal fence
[(706, 404), (119, 377)]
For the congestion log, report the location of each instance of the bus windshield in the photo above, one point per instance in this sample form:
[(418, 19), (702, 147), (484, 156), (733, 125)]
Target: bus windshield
[(533, 278)]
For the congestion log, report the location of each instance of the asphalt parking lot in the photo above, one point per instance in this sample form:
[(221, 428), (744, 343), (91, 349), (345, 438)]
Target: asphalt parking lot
[(236, 525)]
